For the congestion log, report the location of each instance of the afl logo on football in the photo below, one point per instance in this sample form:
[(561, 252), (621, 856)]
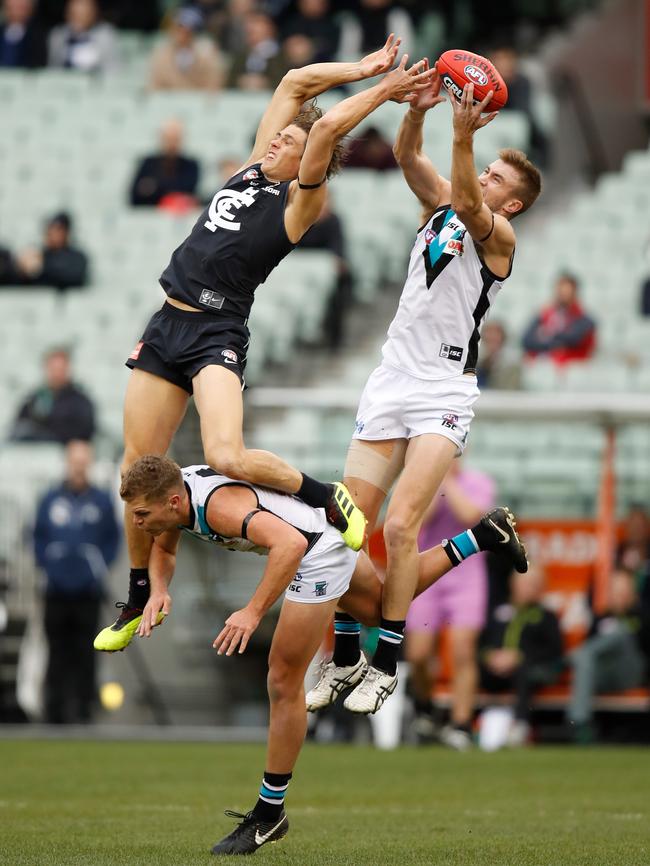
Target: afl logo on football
[(476, 75)]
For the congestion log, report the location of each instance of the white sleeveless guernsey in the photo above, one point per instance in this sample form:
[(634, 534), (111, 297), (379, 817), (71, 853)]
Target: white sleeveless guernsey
[(327, 566), (448, 291)]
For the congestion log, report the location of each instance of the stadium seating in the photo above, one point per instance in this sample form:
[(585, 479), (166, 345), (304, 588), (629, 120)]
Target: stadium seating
[(72, 142), (544, 466)]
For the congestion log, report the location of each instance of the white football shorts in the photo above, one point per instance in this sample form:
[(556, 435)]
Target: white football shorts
[(325, 572), (395, 405)]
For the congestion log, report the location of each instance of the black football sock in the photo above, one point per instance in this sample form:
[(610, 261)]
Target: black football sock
[(424, 707), (391, 635), (314, 493), (138, 588), (347, 632), (270, 802)]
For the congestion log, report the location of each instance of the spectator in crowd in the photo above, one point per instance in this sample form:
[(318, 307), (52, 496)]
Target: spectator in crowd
[(76, 539), (373, 22), (186, 61), (57, 411), (260, 64), (167, 172), (84, 42), (562, 331), (143, 15), (644, 300), (22, 39), (227, 167), (58, 263), (228, 24), (633, 553), (520, 649), (8, 272), (457, 600), (498, 366), (370, 150), (520, 98), (298, 50), (313, 20), (327, 234), (612, 657)]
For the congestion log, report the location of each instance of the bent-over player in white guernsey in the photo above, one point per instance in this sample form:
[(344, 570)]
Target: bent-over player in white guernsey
[(307, 560), (415, 411)]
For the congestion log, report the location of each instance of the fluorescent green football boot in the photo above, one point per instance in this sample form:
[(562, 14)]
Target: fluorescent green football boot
[(342, 513), (115, 638)]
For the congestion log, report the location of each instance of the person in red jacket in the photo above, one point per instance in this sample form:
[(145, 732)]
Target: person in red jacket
[(562, 331)]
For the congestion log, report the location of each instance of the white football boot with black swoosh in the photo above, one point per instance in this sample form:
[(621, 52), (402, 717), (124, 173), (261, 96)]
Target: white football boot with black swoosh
[(503, 526), (251, 834)]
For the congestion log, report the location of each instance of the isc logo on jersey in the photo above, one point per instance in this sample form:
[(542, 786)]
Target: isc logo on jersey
[(225, 204)]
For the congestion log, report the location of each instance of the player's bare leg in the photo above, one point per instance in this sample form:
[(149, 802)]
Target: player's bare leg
[(298, 634), (428, 458), (153, 411), (299, 631), (420, 654), (463, 687), (370, 471), (362, 604), (218, 397)]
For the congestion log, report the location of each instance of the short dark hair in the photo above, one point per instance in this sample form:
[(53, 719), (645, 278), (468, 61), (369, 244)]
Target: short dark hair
[(63, 219), (152, 477), (309, 114), (530, 179)]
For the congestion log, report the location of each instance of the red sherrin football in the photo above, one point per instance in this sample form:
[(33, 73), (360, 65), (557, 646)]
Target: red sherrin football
[(458, 68)]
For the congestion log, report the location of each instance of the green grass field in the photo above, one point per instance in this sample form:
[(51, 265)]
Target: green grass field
[(108, 804)]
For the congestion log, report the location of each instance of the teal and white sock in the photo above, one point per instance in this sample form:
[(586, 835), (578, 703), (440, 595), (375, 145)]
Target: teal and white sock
[(461, 546)]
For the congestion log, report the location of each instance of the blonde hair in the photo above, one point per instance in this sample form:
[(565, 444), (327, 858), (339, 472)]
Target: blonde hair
[(152, 477), (530, 179)]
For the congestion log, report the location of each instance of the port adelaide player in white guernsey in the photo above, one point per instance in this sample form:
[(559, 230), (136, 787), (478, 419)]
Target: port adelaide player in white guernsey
[(306, 559), (415, 411), (196, 344)]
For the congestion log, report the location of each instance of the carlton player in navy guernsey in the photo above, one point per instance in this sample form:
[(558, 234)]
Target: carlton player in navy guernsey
[(416, 408), (196, 344)]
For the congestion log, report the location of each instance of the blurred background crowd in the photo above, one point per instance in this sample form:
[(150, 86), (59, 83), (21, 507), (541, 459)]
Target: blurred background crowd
[(118, 121)]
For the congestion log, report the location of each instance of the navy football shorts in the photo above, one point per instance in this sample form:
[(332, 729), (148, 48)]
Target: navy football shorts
[(177, 344)]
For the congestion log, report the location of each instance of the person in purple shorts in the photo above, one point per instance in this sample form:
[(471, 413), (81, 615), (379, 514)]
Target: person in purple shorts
[(457, 601)]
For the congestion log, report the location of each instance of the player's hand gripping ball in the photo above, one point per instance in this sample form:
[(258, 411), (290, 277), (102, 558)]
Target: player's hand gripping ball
[(458, 68)]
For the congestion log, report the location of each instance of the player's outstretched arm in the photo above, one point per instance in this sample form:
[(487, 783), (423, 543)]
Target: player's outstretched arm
[(492, 231), (400, 85), (227, 510), (162, 564), (300, 85), (418, 170)]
